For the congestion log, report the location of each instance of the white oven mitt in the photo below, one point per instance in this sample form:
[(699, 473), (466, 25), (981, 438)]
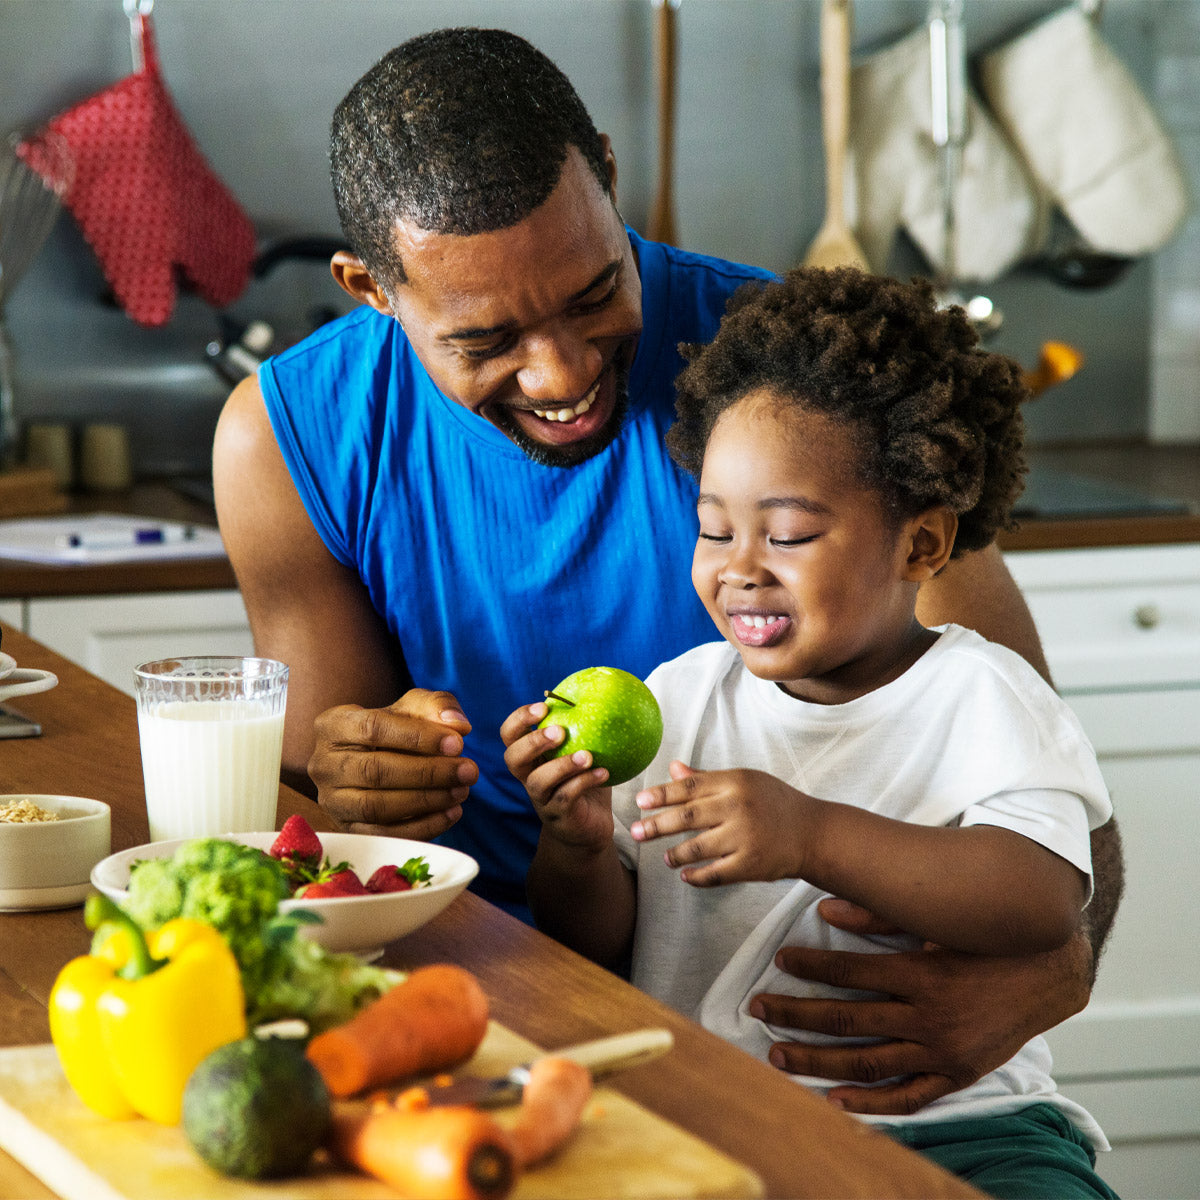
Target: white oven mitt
[(1088, 134), (897, 176)]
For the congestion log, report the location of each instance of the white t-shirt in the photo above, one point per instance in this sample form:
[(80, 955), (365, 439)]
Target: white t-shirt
[(970, 734)]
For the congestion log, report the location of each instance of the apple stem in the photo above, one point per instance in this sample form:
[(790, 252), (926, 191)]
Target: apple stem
[(556, 696)]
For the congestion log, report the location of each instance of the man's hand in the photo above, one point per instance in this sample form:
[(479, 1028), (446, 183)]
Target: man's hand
[(396, 771), (946, 1018)]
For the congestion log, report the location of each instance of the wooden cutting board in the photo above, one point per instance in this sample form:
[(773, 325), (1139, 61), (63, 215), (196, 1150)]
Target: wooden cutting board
[(620, 1150)]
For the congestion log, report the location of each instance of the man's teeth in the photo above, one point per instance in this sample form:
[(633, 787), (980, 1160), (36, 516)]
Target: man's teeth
[(568, 414), (759, 622)]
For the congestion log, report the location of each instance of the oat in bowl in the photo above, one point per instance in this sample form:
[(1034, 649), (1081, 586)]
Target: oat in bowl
[(48, 847), (23, 810)]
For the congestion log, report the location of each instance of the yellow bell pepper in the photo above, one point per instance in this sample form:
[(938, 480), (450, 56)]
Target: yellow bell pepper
[(134, 1020)]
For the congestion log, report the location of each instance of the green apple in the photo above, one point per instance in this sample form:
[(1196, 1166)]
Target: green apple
[(611, 713)]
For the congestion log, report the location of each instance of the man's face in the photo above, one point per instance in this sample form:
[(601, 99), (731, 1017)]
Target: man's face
[(533, 327)]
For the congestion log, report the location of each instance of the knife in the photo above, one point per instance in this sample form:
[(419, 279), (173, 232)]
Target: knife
[(600, 1057)]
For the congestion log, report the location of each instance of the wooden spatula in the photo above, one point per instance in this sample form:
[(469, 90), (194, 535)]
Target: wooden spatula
[(834, 245)]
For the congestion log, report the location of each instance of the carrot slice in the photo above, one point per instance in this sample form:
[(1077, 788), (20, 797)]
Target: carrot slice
[(551, 1107), (434, 1019)]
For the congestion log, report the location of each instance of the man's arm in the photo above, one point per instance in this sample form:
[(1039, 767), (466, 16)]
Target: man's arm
[(978, 591), (306, 609), (379, 765)]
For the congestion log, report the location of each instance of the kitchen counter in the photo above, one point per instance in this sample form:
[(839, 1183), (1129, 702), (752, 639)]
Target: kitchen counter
[(1160, 473), (1155, 497), (796, 1143), (156, 501)]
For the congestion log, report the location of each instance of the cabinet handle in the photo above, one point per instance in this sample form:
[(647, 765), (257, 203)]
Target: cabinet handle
[(1146, 616)]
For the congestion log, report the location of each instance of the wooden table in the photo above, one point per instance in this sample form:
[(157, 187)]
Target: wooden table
[(799, 1145)]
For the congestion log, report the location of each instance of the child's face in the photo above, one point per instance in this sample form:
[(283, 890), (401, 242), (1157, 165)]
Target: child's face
[(795, 561)]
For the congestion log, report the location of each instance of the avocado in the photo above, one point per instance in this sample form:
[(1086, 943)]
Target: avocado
[(256, 1108)]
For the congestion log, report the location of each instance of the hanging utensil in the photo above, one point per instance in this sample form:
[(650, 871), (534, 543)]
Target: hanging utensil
[(662, 227), (29, 206), (835, 244), (948, 83)]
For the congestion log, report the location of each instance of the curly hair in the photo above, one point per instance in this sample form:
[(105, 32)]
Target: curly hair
[(939, 417), (460, 131)]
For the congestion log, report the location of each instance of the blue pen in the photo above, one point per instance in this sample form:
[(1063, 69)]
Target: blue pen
[(112, 539)]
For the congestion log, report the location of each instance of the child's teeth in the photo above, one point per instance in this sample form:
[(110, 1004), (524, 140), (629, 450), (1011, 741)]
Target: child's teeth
[(759, 622)]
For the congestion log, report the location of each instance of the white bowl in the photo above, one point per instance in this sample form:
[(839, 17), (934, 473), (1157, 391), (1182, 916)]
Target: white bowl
[(359, 924), (47, 864)]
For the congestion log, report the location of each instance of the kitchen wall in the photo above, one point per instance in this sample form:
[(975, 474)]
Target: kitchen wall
[(256, 82)]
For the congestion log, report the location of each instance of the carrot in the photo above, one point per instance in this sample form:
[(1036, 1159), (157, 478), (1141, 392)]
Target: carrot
[(451, 1153), (551, 1106), (434, 1019)]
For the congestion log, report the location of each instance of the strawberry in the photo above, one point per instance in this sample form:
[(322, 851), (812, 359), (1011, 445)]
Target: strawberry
[(388, 879), (399, 879), (297, 842), (342, 882)]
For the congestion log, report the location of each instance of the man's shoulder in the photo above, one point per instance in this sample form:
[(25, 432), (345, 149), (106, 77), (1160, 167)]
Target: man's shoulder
[(343, 336)]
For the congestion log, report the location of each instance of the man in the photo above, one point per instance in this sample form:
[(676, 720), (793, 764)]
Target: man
[(463, 485)]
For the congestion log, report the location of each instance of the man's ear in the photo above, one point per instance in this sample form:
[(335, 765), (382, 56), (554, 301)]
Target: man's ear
[(610, 161), (930, 538), (355, 280)]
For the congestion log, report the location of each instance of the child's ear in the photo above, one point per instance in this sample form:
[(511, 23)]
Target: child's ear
[(930, 540)]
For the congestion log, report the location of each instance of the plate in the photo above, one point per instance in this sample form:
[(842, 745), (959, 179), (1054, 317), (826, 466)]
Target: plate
[(359, 924)]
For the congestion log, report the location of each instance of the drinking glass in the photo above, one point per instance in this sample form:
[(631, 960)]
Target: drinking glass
[(211, 732)]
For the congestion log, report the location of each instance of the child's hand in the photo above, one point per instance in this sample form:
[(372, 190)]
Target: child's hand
[(750, 824), (567, 793)]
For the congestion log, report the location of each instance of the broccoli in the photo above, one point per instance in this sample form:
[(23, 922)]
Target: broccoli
[(237, 890), (306, 980), (234, 888)]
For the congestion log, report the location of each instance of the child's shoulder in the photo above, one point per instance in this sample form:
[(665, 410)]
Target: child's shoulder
[(1005, 668)]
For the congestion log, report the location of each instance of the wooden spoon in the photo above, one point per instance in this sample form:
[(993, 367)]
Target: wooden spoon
[(662, 214), (834, 245)]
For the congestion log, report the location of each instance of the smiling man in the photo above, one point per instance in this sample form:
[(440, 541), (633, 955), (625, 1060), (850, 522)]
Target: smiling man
[(459, 493)]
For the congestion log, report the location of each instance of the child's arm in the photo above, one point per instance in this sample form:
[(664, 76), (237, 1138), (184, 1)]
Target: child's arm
[(579, 891), (978, 888)]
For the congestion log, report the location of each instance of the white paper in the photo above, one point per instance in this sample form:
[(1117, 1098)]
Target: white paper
[(44, 540)]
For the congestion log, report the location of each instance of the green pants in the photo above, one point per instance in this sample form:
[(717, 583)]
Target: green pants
[(1034, 1154)]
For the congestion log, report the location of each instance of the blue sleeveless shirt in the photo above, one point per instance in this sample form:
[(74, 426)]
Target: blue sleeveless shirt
[(497, 576)]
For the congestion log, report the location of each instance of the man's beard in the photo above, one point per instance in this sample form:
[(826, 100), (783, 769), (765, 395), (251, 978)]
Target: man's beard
[(573, 453)]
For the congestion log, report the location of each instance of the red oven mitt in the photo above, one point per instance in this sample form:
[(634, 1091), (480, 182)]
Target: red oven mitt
[(145, 197)]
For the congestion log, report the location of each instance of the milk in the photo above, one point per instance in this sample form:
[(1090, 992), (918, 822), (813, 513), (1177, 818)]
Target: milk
[(210, 767)]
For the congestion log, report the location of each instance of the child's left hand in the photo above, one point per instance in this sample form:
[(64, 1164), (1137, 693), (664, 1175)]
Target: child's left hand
[(751, 825)]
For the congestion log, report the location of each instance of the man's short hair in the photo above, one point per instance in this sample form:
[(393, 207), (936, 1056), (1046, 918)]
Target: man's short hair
[(458, 131)]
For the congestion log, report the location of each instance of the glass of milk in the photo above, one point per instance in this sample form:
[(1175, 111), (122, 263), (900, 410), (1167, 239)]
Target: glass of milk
[(211, 731)]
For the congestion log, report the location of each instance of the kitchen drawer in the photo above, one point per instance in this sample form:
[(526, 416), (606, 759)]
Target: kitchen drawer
[(1126, 617)]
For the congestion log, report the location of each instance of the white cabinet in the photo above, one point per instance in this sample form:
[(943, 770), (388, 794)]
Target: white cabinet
[(110, 635), (1121, 631)]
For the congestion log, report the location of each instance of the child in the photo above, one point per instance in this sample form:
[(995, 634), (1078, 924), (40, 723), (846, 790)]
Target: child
[(849, 439)]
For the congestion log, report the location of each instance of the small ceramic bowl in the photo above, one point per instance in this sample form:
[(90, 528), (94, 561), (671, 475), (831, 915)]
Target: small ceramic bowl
[(362, 925), (48, 864)]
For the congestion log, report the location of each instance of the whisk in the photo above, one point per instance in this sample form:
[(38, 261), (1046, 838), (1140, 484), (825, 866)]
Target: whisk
[(34, 177)]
